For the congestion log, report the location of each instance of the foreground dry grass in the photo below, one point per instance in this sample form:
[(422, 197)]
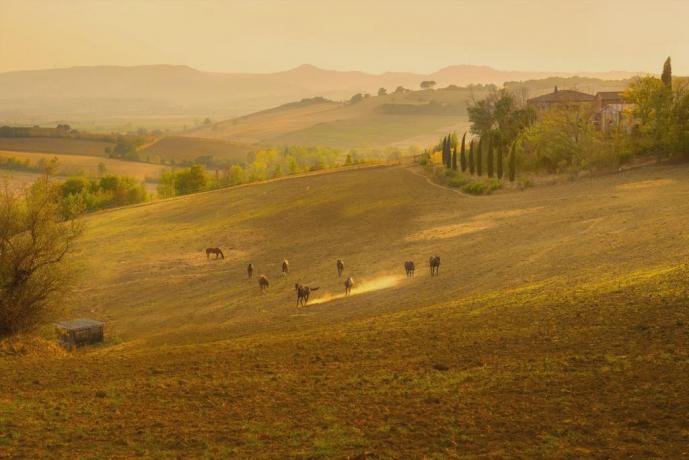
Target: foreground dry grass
[(558, 326)]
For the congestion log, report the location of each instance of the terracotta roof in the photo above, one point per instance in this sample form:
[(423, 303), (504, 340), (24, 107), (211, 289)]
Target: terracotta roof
[(563, 95), (610, 95)]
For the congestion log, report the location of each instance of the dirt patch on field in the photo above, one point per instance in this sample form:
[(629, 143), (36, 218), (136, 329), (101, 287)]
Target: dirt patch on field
[(477, 223), (645, 184), (450, 231)]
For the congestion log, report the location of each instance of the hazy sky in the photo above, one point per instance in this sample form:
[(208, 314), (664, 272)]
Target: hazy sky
[(370, 35)]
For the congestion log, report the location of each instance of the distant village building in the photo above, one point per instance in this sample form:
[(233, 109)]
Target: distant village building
[(561, 98), (610, 109), (72, 334)]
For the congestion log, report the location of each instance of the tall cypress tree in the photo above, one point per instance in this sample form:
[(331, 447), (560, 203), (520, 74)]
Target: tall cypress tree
[(479, 165), (463, 155), (449, 151), (443, 150), (454, 159), (471, 157), (490, 158), (500, 148), (513, 162), (667, 73)]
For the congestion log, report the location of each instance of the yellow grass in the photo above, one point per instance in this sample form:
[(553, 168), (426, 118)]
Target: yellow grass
[(87, 165), (559, 330)]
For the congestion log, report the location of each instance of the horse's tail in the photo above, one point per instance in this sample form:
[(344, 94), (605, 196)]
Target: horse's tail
[(315, 289), (221, 254)]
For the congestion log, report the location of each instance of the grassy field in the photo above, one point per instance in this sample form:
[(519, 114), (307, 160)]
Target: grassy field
[(55, 145), (180, 148), (558, 326), (392, 120)]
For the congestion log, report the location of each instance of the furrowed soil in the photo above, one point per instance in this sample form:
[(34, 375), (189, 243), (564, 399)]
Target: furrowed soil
[(557, 327)]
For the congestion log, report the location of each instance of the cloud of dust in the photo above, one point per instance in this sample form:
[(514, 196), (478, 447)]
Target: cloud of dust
[(375, 284)]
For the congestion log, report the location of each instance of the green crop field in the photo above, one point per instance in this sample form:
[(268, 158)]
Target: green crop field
[(557, 327)]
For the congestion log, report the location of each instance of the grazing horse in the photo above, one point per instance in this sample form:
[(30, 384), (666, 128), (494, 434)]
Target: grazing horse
[(303, 293), (340, 267), (285, 267), (409, 268), (250, 270), (215, 251), (349, 284), (263, 282), (434, 263)]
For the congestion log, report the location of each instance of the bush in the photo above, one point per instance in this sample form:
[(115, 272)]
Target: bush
[(482, 187), (80, 194)]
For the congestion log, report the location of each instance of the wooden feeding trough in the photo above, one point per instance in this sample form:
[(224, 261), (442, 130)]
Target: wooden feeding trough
[(72, 334)]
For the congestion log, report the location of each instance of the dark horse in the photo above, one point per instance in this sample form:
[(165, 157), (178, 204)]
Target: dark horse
[(263, 282), (303, 293), (349, 284), (215, 251), (340, 267), (409, 268), (250, 270), (285, 267), (434, 263)]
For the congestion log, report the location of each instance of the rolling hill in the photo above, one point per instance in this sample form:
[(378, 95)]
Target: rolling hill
[(397, 119), (556, 328), (407, 118), (170, 96)]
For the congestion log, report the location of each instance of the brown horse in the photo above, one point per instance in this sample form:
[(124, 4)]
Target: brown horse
[(340, 267), (216, 251), (349, 284), (409, 268), (250, 270), (263, 282), (303, 293), (285, 267), (434, 263)]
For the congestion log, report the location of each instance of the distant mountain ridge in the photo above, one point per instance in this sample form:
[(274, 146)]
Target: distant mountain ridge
[(175, 89)]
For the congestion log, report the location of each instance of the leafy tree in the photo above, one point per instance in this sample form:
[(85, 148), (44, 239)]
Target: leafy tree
[(667, 73), (500, 116), (479, 154), (490, 159), (562, 140), (499, 168), (513, 162), (653, 107), (454, 158), (358, 97), (427, 84), (35, 244), (382, 92), (463, 157), (471, 157)]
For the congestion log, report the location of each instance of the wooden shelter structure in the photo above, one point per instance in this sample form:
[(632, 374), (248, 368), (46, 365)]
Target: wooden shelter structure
[(78, 332)]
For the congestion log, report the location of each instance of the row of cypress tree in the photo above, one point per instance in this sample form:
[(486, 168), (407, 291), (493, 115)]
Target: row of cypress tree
[(474, 163)]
